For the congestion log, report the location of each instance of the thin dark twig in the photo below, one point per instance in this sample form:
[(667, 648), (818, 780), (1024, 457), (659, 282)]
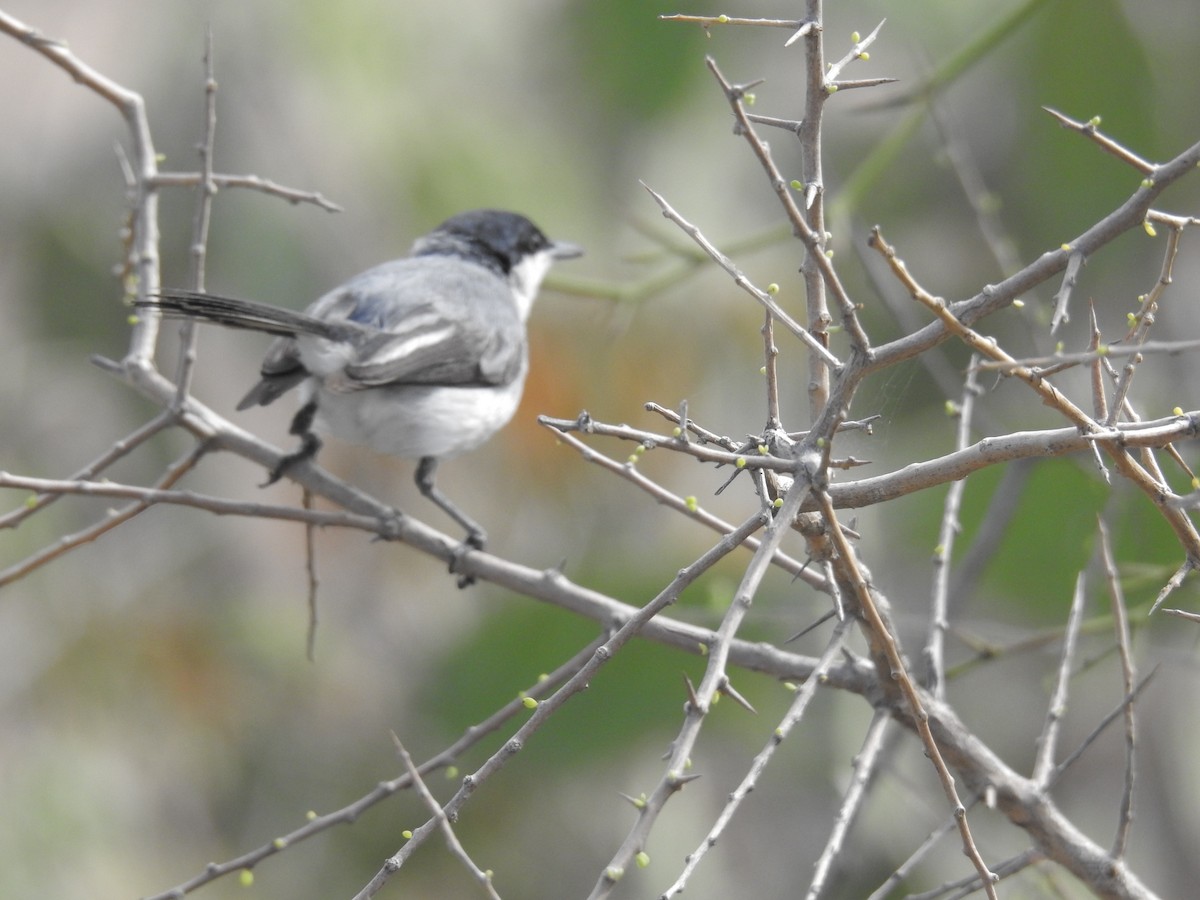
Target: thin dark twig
[(915, 858), (1049, 365), (112, 519), (119, 450), (1001, 511), (810, 340), (251, 182), (965, 887), (1108, 719)]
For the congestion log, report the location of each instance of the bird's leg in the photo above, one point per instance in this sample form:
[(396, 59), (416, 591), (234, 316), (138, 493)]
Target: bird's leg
[(476, 537), (309, 442)]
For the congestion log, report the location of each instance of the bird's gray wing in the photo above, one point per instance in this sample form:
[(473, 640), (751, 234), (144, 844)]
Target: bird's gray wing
[(428, 320)]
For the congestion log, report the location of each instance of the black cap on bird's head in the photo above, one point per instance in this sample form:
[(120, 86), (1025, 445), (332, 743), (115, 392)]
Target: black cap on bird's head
[(497, 238)]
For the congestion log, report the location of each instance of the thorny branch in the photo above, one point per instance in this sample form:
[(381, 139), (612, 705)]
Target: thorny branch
[(884, 682), (350, 813), (891, 666), (804, 695), (1158, 492), (629, 629), (715, 679)]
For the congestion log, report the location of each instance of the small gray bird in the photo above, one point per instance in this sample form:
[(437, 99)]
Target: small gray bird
[(422, 358)]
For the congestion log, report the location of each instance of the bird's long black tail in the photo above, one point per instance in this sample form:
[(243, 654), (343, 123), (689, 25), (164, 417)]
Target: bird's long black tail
[(246, 314)]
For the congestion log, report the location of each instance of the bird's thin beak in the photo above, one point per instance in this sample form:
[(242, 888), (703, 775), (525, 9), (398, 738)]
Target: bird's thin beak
[(565, 250)]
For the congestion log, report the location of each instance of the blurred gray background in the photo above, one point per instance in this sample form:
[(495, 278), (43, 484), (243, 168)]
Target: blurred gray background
[(156, 707)]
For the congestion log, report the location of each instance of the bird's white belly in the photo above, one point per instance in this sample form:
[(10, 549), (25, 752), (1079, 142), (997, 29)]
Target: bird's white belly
[(415, 421)]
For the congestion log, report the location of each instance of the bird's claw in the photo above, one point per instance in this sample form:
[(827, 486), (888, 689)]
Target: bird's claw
[(309, 445), (475, 540)]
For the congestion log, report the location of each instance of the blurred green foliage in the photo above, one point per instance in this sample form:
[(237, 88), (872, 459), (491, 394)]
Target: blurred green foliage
[(638, 71), (1039, 557)]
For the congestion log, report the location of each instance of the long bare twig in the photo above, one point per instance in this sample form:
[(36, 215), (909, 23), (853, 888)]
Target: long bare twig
[(934, 651), (1128, 679), (1043, 767)]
